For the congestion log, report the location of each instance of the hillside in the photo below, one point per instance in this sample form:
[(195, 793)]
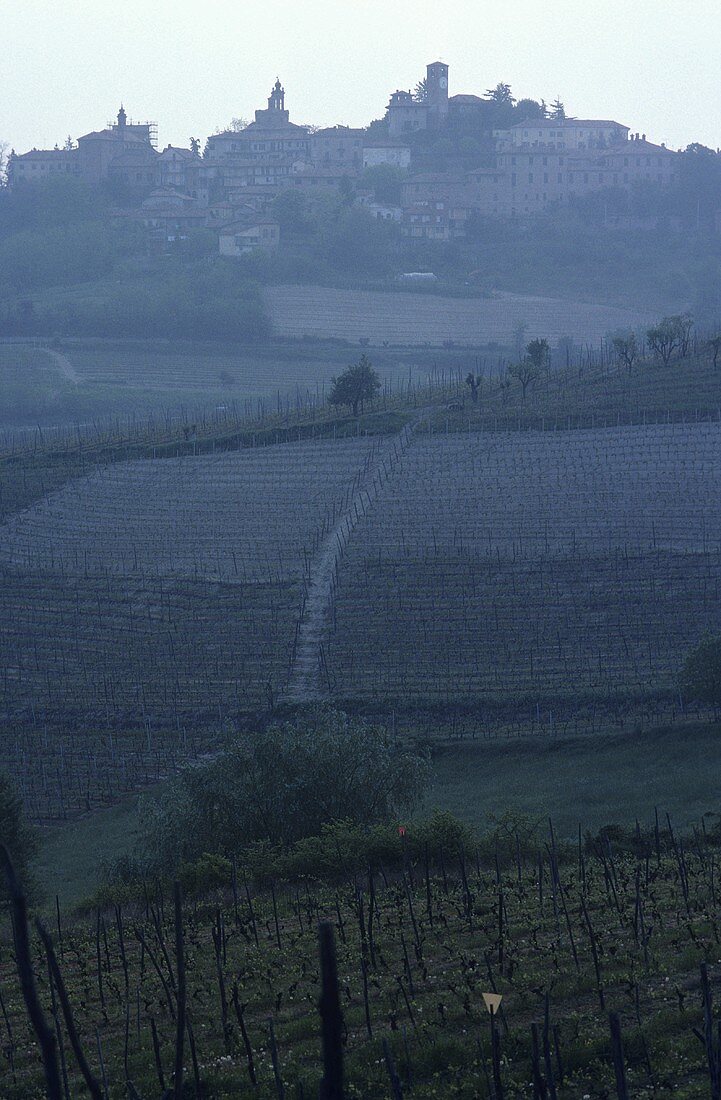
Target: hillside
[(453, 582)]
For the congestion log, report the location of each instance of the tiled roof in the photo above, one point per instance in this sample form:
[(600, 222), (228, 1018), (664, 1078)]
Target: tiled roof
[(556, 123)]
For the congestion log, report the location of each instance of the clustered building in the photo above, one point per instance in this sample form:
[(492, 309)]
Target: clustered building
[(231, 186)]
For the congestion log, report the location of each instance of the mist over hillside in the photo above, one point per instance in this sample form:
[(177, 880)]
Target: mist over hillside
[(360, 561)]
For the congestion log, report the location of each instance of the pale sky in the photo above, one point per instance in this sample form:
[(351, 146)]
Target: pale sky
[(650, 64)]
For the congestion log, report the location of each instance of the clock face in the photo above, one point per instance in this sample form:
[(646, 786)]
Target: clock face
[(443, 82)]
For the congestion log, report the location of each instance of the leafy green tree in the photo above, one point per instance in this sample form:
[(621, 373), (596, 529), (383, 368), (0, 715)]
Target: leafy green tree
[(558, 111), (626, 348), (281, 784), (701, 673), (19, 839), (356, 385)]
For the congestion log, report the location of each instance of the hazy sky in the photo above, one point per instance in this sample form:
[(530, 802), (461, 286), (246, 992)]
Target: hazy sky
[(191, 66)]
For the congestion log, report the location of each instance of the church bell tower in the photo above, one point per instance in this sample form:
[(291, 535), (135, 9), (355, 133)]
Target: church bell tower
[(276, 101), (437, 92)]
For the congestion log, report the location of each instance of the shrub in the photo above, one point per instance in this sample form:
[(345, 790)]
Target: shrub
[(280, 785)]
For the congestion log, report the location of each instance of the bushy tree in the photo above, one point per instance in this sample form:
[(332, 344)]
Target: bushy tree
[(539, 353), (356, 385), (701, 674), (15, 834), (385, 181), (501, 95), (671, 336), (281, 784), (530, 109)]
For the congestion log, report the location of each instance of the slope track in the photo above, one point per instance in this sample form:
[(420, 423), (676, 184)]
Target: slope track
[(64, 365), (308, 680)]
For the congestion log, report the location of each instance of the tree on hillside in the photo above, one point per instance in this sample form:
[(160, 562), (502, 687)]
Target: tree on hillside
[(525, 372), (473, 383), (539, 353), (626, 348), (19, 839), (714, 345), (281, 784), (670, 336), (356, 385), (685, 326), (701, 673)]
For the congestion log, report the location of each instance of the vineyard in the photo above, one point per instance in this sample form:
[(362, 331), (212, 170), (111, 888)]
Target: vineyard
[(604, 960), (148, 601), (457, 578), (414, 319), (532, 573)]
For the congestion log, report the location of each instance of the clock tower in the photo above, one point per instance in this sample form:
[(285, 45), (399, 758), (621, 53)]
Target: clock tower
[(437, 92)]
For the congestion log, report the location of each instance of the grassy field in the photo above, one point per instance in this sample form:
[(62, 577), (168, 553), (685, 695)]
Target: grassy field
[(589, 781), (399, 318), (593, 781)]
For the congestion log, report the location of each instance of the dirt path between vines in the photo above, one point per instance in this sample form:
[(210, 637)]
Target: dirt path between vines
[(64, 365), (308, 677)]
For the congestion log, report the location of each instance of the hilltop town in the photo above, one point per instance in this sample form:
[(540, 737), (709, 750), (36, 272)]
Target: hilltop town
[(441, 161)]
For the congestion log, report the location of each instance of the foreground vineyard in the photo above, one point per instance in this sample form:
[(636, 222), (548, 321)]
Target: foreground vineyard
[(536, 571), (567, 939)]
